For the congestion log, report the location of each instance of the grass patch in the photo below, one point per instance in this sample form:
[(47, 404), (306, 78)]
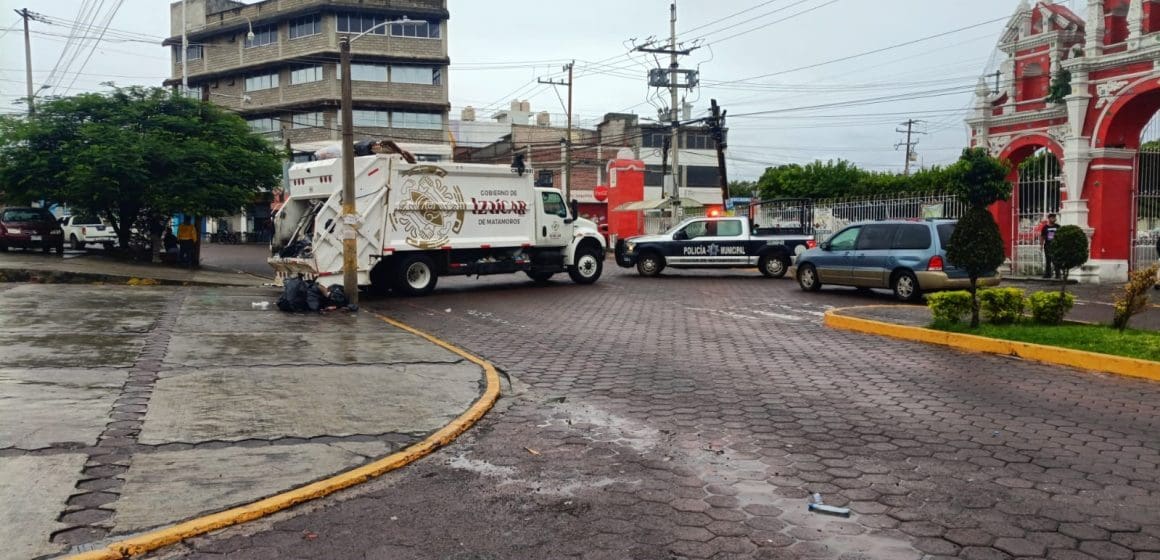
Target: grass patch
[(1144, 345)]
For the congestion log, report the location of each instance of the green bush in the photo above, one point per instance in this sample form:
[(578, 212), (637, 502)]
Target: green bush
[(949, 307), (1049, 308), (1002, 306)]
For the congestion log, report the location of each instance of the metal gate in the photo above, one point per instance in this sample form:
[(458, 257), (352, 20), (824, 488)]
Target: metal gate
[(1145, 223), (1036, 196)]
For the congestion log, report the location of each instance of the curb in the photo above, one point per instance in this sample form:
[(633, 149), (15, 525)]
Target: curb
[(62, 277), (156, 539), (1106, 363)]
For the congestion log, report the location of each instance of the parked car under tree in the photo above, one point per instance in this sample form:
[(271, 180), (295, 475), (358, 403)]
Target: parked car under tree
[(30, 228)]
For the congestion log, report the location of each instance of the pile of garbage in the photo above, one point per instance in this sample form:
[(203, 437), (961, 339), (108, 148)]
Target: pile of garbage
[(301, 295)]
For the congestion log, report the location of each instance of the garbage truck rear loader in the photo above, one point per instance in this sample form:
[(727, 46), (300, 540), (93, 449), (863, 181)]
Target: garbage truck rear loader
[(419, 221)]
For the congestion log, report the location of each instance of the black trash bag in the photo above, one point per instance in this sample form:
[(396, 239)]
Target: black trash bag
[(294, 295), (338, 296), (315, 299)]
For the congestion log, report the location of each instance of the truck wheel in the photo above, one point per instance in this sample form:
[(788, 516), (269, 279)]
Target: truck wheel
[(650, 264), (773, 266), (807, 277), (76, 243), (905, 286), (589, 265), (381, 278), (416, 276), (108, 246), (540, 276)]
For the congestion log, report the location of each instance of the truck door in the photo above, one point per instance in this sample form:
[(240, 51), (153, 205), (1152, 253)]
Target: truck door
[(550, 230)]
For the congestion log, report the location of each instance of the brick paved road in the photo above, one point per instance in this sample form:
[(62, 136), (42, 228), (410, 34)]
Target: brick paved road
[(690, 417)]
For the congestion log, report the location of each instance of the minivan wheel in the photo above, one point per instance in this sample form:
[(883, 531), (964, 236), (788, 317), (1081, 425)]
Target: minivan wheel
[(773, 266), (905, 286), (807, 277)]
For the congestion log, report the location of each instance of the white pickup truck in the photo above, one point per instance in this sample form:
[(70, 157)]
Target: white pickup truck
[(419, 221), (81, 230)]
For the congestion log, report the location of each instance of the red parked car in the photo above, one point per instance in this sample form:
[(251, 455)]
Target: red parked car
[(30, 228)]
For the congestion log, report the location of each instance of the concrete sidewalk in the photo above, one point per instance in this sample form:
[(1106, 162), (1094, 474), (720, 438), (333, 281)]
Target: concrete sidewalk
[(89, 267), (127, 408)]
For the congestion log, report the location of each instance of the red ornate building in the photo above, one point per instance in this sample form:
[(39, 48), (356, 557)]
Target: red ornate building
[(1111, 56)]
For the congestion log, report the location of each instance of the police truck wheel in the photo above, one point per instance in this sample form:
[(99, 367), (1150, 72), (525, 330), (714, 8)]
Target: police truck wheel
[(589, 265), (650, 264), (773, 266), (416, 276), (807, 277)]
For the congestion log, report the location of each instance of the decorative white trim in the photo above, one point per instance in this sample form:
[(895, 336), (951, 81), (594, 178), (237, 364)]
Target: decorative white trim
[(1106, 92), (1104, 113), (1111, 167), (1053, 112), (1112, 153)]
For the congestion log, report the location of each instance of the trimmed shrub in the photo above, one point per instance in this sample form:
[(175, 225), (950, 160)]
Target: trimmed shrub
[(1069, 250), (977, 248), (949, 307), (1002, 306), (1049, 308), (1134, 298)]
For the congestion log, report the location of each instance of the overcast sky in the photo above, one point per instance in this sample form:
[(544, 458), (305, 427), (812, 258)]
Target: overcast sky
[(767, 65)]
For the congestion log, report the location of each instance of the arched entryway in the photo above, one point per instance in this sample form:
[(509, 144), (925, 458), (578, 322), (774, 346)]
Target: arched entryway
[(1035, 193)]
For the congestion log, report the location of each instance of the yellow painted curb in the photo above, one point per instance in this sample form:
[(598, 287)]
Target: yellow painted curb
[(153, 540), (1106, 363)]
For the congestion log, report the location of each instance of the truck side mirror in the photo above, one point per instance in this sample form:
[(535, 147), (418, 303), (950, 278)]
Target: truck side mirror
[(568, 220)]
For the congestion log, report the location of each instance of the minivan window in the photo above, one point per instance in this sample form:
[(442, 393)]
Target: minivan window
[(912, 236), (876, 237), (844, 240), (945, 231)]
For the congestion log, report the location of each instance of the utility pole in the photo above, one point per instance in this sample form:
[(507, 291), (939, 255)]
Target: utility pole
[(568, 139), (184, 49), (671, 80), (349, 236), (909, 124), (27, 60), (717, 128)]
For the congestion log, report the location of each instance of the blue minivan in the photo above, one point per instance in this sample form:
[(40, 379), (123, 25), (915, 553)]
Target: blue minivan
[(907, 257)]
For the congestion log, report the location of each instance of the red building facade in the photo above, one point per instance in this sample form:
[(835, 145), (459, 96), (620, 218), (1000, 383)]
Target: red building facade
[(1094, 131)]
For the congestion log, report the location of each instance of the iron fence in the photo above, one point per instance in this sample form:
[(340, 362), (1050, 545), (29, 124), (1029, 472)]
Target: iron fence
[(1036, 195), (1145, 231), (660, 221)]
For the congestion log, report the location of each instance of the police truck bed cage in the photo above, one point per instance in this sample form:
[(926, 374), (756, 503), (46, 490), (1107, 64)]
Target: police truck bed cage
[(783, 216)]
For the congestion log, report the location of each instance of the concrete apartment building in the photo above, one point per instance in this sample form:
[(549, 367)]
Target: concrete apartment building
[(284, 78)]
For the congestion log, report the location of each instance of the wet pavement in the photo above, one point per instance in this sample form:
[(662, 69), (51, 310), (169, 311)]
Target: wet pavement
[(691, 416), (126, 408)]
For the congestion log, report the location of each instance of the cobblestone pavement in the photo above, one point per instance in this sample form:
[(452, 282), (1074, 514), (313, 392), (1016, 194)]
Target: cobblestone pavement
[(690, 417)]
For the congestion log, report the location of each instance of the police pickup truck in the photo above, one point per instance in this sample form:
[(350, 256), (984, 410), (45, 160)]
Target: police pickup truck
[(725, 242)]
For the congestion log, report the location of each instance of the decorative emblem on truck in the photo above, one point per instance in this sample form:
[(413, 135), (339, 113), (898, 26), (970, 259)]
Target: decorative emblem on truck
[(429, 211)]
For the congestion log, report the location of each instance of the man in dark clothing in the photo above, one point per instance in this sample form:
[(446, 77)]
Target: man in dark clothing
[(1046, 237)]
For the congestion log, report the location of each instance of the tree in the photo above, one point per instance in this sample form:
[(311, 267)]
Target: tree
[(976, 245), (742, 188), (840, 178), (135, 154), (1068, 250)]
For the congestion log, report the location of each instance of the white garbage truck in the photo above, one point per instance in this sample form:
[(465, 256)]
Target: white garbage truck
[(418, 221)]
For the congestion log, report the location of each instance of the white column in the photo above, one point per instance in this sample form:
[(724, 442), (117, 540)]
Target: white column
[(1094, 29), (1135, 23), (1076, 152)]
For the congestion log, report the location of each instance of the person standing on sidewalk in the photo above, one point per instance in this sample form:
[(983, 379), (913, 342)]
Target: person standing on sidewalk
[(186, 239), (1046, 237)]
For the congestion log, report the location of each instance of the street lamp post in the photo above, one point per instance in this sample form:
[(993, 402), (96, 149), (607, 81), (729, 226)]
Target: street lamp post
[(349, 214)]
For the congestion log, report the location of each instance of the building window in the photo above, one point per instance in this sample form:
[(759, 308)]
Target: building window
[(305, 75), (415, 75), (701, 176), (366, 72), (263, 35), (544, 178), (305, 26), (697, 141), (264, 125), (194, 92), (426, 121), (370, 118), (265, 81), (359, 23), (653, 176), (307, 120), (653, 139), (417, 29), (192, 52)]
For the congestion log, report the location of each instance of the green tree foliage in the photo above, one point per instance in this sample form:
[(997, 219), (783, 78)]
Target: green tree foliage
[(742, 188), (840, 178), (133, 153), (977, 248), (1068, 250), (979, 179), (1060, 87)]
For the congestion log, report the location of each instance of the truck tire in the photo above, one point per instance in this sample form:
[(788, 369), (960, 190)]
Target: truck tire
[(76, 243), (773, 265), (382, 277), (589, 265), (650, 264), (415, 276)]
